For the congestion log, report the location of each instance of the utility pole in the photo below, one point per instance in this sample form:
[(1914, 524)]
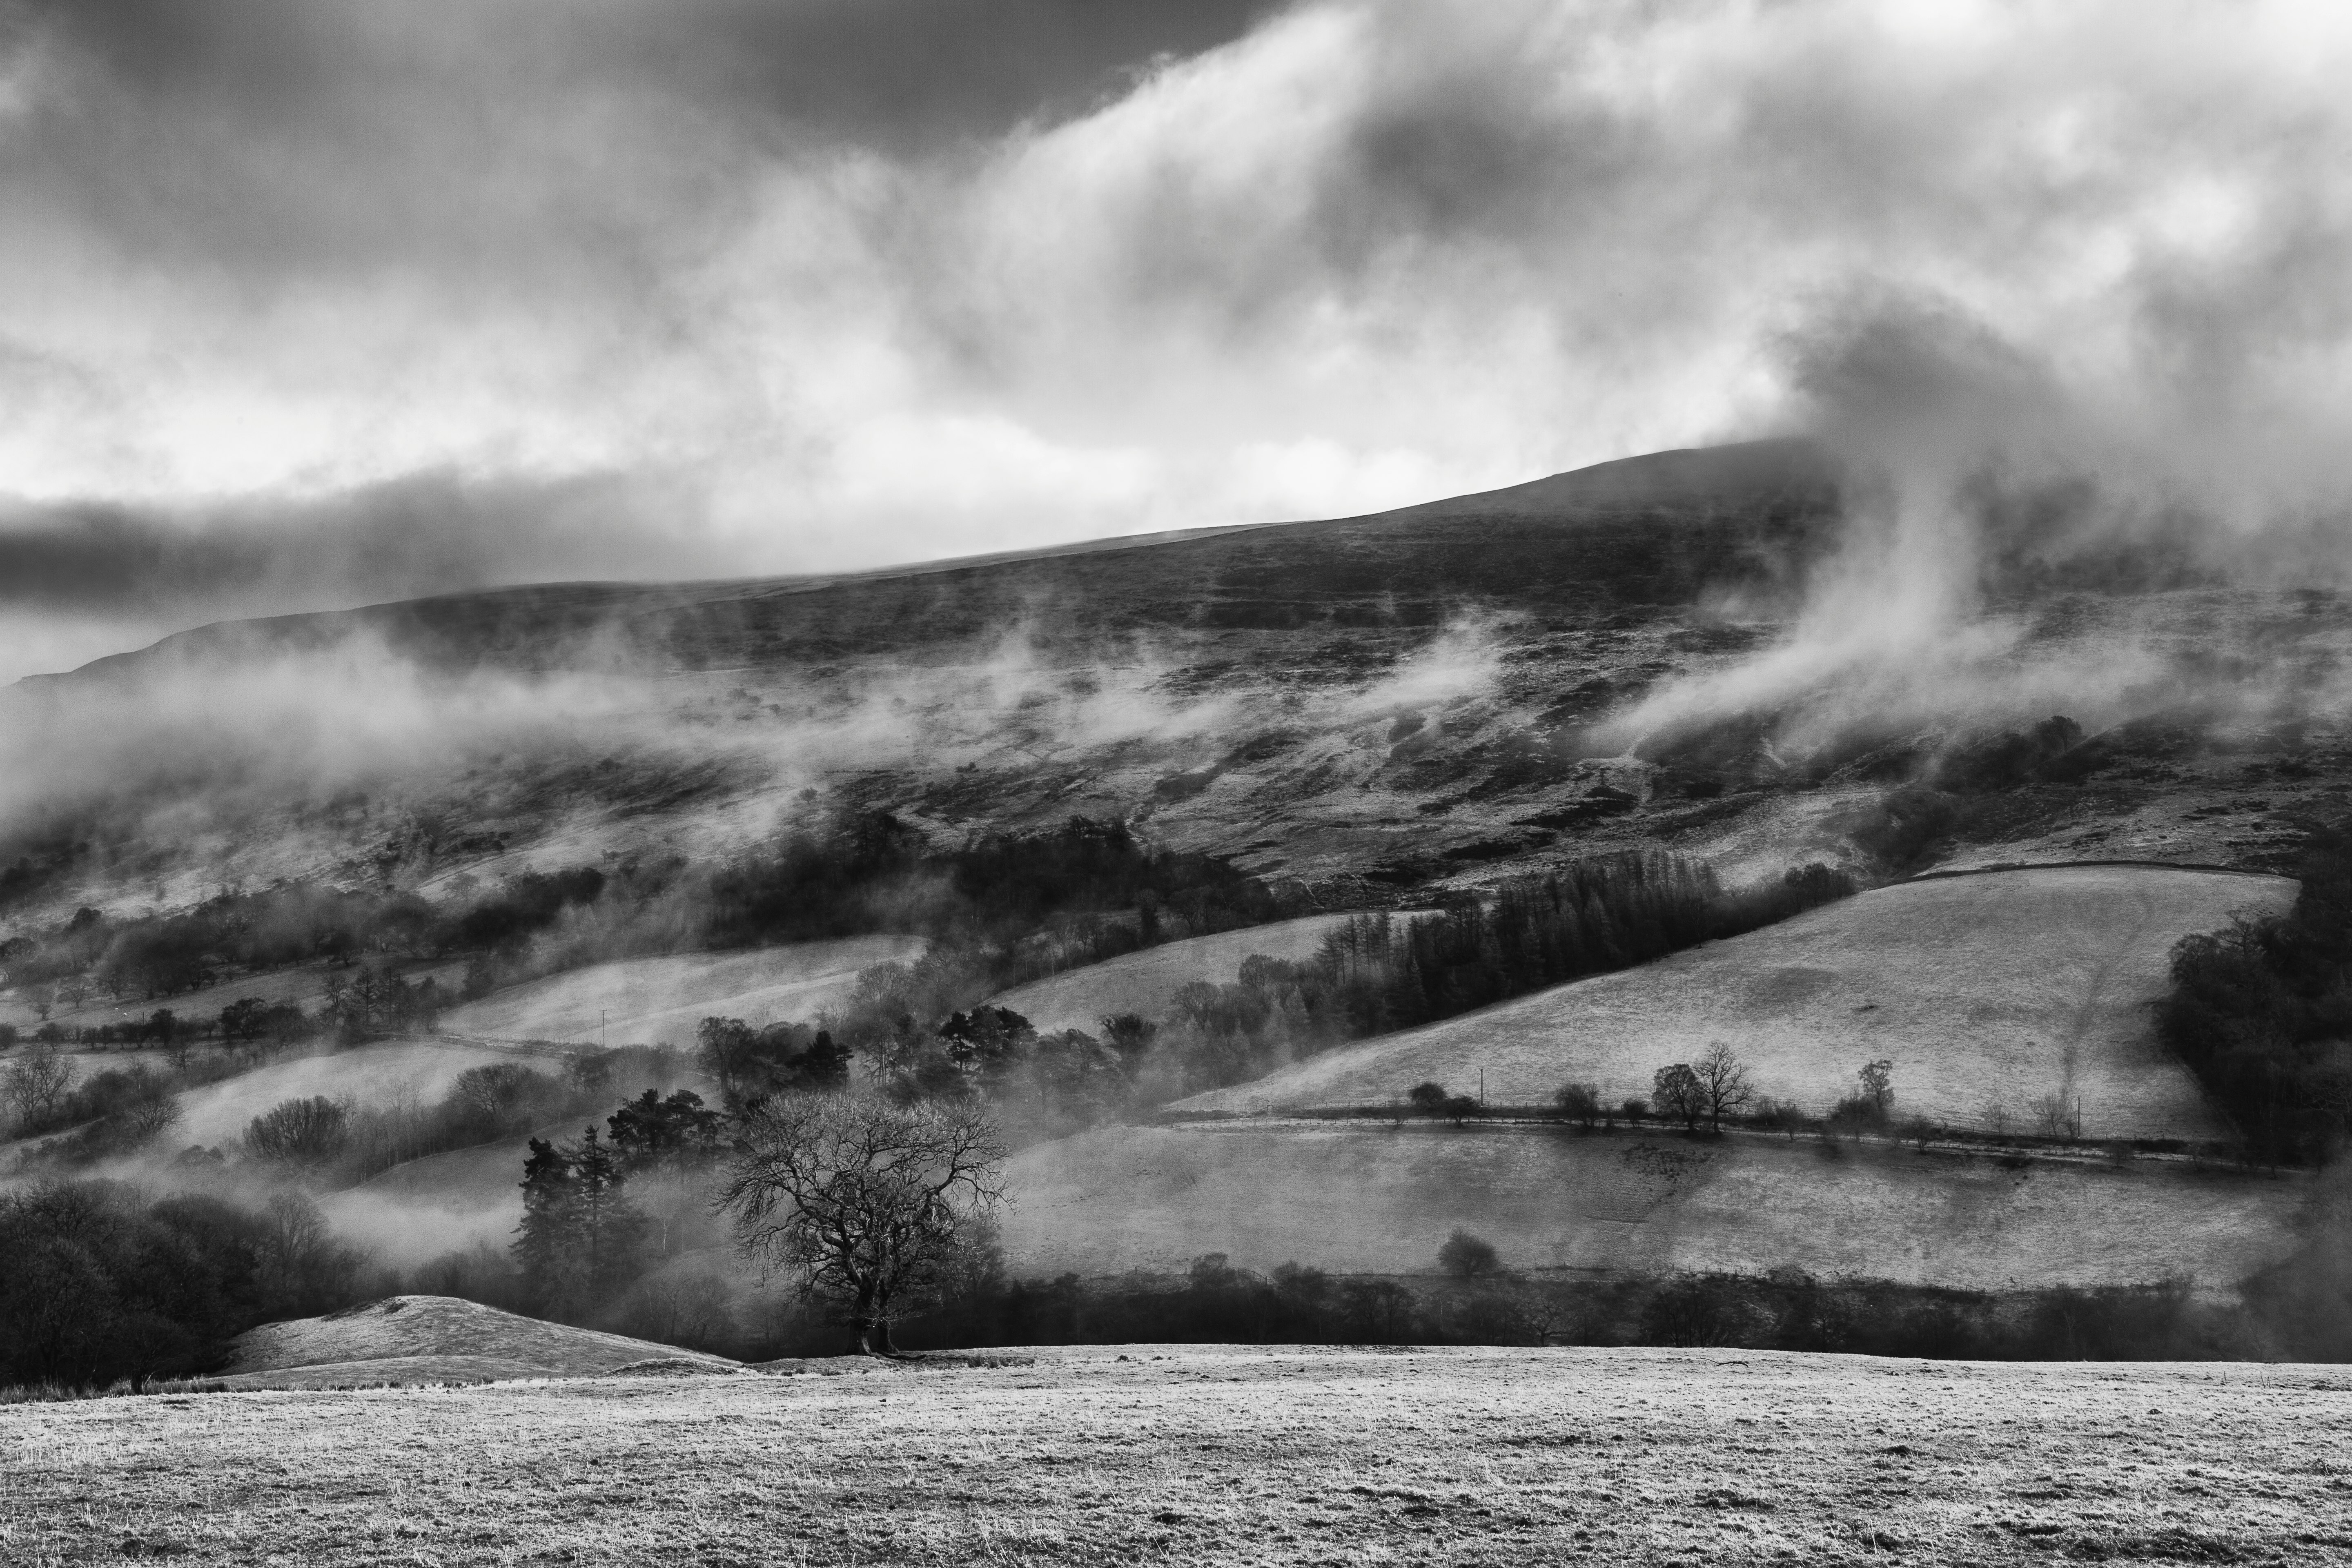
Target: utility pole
[(600, 1028)]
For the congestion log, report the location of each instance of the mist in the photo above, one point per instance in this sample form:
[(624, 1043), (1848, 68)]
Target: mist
[(1188, 266)]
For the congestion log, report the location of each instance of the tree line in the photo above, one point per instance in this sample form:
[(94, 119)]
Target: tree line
[(1012, 905), (2259, 1012), (1382, 972)]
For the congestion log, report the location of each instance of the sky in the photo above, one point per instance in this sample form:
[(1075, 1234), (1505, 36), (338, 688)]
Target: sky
[(317, 302)]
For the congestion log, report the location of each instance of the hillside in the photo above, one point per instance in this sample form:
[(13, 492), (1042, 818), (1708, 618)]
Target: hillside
[(649, 1001), (1147, 982), (433, 1339), (1990, 993), (375, 1074), (1356, 1197), (1354, 709)]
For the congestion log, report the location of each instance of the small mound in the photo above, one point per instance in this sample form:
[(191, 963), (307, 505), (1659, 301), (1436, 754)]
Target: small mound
[(440, 1339), (669, 1366)]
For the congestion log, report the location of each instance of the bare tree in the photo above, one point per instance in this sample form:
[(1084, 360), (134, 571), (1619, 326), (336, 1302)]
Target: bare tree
[(873, 1205), (1722, 1085), (300, 1133), (36, 1083)]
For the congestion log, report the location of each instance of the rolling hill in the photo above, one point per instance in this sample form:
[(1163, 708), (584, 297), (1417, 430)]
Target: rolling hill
[(648, 1001), (362, 1075), (1357, 707), (1359, 1197), (1990, 992)]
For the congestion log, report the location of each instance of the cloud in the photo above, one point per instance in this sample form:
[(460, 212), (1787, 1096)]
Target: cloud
[(822, 284)]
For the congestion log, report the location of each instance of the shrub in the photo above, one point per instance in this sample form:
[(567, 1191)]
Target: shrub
[(1578, 1102), (1466, 1257), (1428, 1099), (300, 1133), (1680, 1095), (104, 1283), (1855, 1115)]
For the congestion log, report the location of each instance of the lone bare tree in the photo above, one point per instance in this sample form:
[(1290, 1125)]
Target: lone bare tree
[(873, 1205), (1722, 1085)]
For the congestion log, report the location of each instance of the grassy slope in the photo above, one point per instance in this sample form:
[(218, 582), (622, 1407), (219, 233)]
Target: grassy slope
[(420, 1338), (1219, 1456), (1144, 982), (1976, 987), (443, 1203), (650, 1000), (365, 1075), (1368, 1198)]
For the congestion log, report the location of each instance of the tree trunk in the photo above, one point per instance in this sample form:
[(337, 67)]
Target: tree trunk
[(865, 1321), (873, 1324)]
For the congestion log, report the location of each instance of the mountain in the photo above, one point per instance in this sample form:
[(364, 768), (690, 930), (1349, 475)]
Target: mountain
[(1356, 708)]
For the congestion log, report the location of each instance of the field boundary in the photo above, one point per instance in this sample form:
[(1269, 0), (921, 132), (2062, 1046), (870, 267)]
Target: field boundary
[(1946, 1141), (2007, 866)]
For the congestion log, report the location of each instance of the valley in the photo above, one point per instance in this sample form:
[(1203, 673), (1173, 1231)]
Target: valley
[(962, 818)]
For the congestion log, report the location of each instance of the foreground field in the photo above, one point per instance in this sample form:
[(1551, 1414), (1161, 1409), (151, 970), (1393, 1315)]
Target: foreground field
[(654, 1001), (1990, 993), (1364, 1197), (1219, 1455)]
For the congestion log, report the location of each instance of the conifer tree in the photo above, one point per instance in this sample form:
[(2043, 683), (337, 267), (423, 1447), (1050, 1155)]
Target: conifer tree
[(608, 1232), (545, 1244)]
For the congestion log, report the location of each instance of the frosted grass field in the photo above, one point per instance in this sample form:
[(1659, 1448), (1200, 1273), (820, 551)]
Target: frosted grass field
[(1218, 1456)]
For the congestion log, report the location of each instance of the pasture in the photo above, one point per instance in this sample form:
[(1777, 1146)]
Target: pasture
[(657, 1001), (1364, 1197), (1217, 1454), (374, 1074), (1992, 995)]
